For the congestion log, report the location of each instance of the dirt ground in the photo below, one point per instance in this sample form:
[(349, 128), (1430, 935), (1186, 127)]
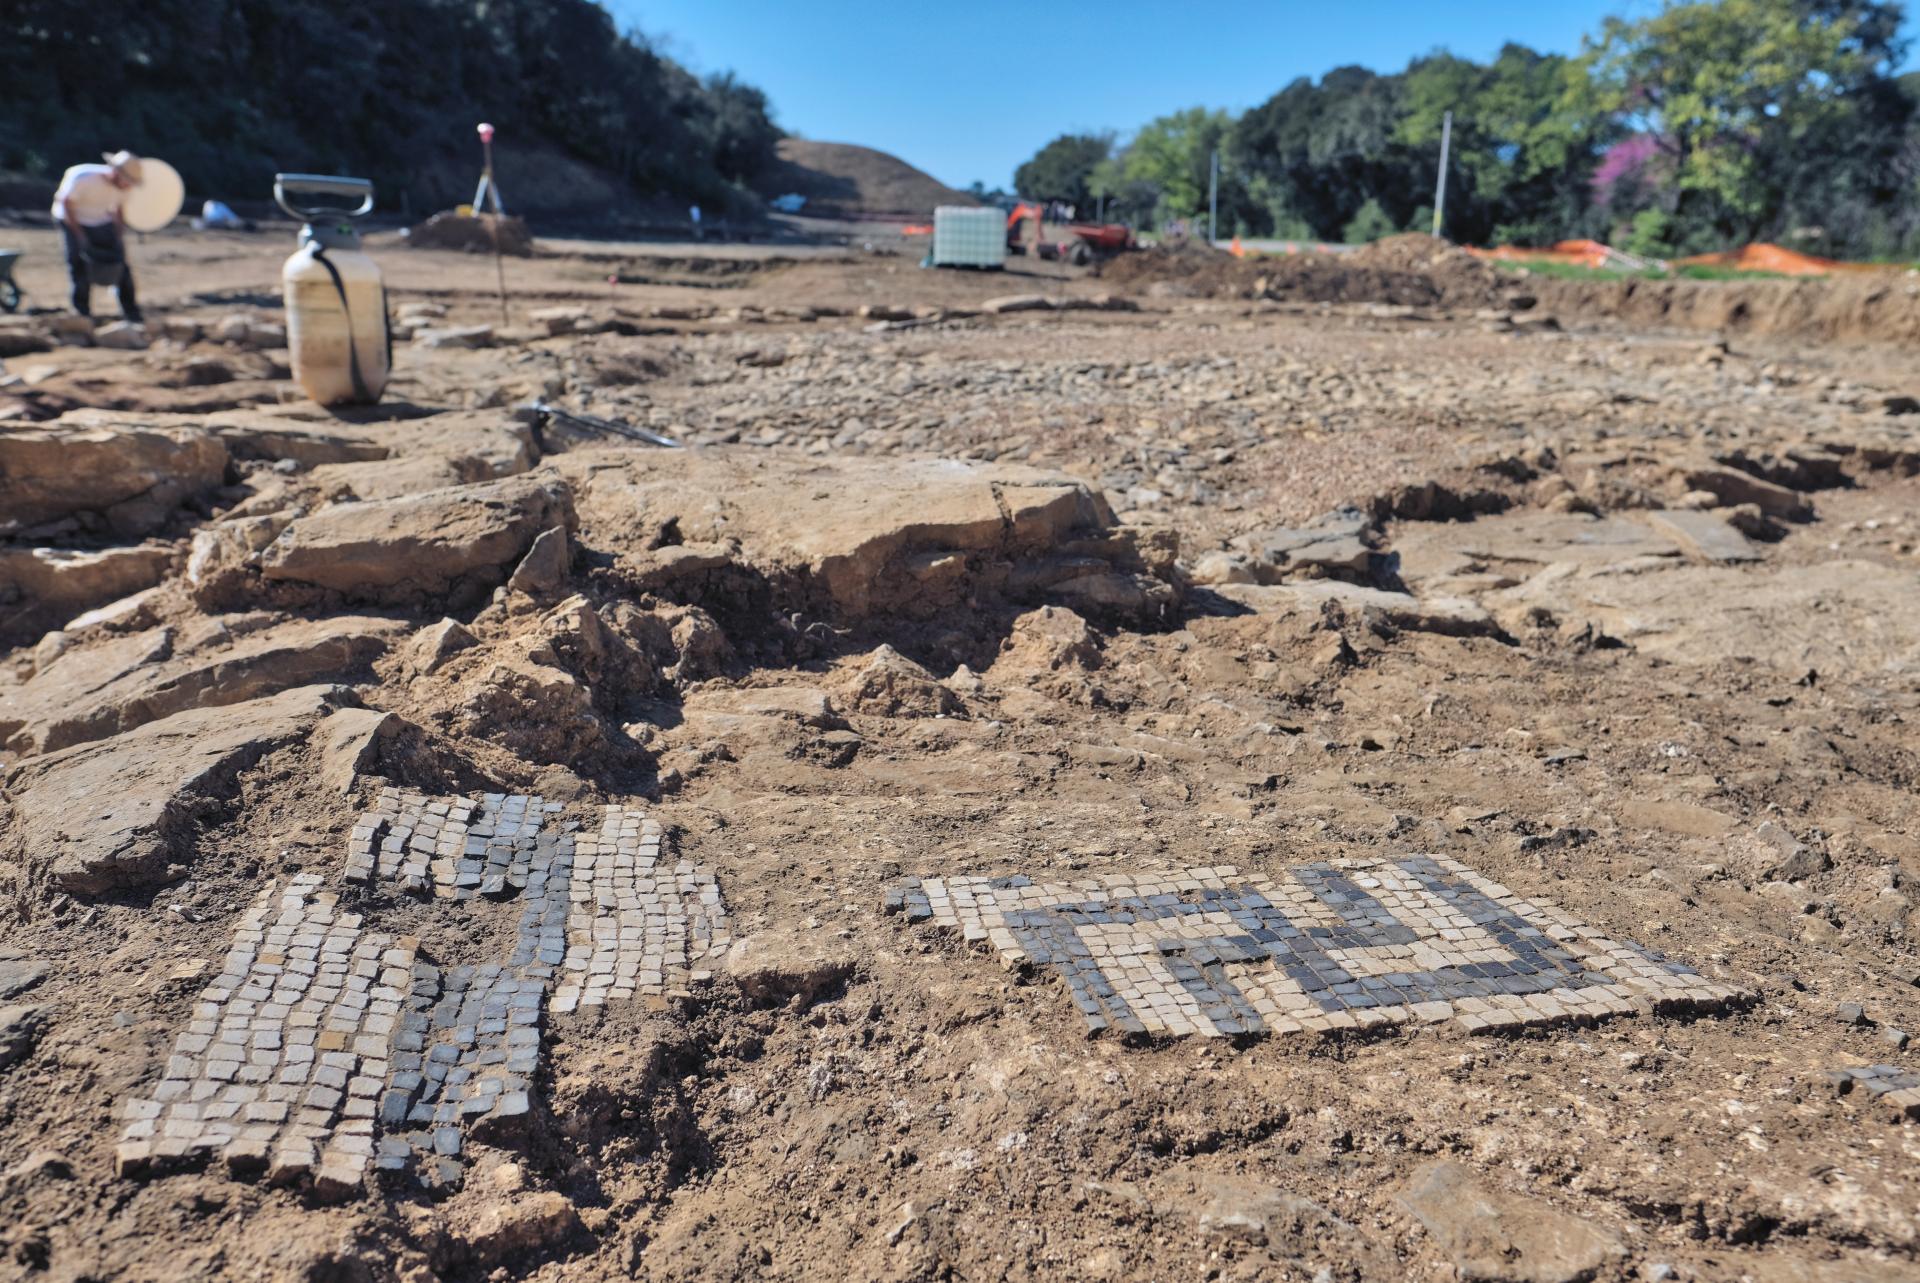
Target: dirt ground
[(1622, 619)]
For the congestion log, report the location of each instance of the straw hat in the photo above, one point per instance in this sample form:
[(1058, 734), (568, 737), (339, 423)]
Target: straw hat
[(125, 162)]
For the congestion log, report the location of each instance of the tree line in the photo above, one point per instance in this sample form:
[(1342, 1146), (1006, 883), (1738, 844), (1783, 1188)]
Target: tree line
[(231, 91), (1708, 124)]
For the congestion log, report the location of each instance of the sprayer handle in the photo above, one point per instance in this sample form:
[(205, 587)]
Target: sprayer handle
[(288, 187)]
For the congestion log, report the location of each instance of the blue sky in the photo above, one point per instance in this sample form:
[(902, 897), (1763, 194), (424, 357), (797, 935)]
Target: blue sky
[(973, 93)]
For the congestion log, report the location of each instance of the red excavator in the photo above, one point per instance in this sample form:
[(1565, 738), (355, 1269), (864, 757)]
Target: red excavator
[(1086, 241)]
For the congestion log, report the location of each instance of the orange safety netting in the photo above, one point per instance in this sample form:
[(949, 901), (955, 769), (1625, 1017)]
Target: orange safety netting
[(1762, 257), (1758, 257), (1583, 253)]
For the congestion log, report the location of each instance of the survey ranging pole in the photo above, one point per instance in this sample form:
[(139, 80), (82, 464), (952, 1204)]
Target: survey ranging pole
[(1440, 188), (489, 191)]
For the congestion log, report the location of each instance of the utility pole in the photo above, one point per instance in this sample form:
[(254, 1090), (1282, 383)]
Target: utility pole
[(1440, 190), (1213, 198)]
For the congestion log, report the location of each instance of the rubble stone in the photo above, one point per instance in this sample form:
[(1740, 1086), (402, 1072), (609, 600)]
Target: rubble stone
[(1503, 1238), (17, 974), (1732, 486), (1335, 545), (133, 611), (1017, 303), (559, 320), (889, 684), (779, 965), (428, 545), (435, 644), (130, 478), (543, 570), (879, 537), (122, 335), (21, 1027), (1455, 616), (116, 813), (42, 588), (467, 336), (1705, 535), (90, 695), (349, 743)]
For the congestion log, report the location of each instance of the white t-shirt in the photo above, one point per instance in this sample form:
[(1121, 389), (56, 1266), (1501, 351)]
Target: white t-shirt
[(87, 191)]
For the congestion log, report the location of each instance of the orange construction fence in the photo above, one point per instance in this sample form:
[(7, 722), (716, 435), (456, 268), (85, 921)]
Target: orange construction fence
[(1762, 257), (1758, 257), (1581, 253)]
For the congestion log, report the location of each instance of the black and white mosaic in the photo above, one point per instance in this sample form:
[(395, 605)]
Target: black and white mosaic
[(287, 1050), (640, 922), (1888, 1084), (454, 847), (1336, 944), (323, 1049)]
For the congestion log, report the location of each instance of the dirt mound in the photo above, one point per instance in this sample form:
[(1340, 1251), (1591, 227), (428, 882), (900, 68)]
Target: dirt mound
[(840, 178), (473, 233), (1418, 252), (1411, 270), (1882, 308)]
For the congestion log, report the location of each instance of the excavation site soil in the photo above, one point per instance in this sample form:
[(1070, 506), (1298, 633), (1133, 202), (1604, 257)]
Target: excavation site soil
[(1201, 769)]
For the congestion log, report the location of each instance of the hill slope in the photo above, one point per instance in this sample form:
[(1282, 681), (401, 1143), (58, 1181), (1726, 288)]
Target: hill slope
[(844, 179), (232, 91)]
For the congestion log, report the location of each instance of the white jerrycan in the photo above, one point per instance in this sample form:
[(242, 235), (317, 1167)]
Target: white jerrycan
[(336, 303)]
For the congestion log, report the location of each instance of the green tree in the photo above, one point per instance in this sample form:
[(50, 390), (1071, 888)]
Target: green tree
[(738, 127), (1524, 150), (1651, 235), (1134, 201), (232, 90), (1844, 183), (1313, 154), (1728, 87), (1063, 169), (1173, 154), (1369, 224), (991, 195)]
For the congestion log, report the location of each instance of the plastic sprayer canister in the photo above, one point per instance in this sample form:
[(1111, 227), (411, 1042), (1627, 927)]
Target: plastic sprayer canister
[(336, 324)]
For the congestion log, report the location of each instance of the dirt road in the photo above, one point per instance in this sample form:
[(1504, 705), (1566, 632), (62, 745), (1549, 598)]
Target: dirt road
[(1058, 778)]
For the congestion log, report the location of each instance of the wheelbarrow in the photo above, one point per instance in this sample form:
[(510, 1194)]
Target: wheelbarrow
[(9, 292)]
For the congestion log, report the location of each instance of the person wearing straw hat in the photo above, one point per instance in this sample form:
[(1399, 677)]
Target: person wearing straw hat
[(88, 208)]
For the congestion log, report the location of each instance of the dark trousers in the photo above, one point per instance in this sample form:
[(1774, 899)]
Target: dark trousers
[(90, 259)]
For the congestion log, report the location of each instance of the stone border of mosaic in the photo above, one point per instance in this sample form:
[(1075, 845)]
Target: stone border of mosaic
[(1888, 1084), (1335, 944), (322, 1049)]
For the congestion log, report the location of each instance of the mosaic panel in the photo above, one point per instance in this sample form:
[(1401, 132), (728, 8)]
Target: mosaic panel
[(638, 923), (287, 1049), (469, 1043), (1337, 944), (1890, 1084), (454, 847), (322, 1049)]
